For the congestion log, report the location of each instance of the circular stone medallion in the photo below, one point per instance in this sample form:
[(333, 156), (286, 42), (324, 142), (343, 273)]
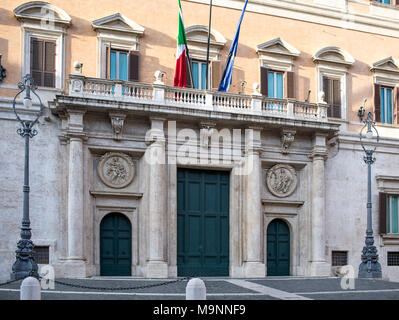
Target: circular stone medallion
[(281, 180), (116, 170)]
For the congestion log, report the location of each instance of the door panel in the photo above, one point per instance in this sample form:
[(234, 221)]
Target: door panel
[(115, 245), (278, 248), (202, 223)]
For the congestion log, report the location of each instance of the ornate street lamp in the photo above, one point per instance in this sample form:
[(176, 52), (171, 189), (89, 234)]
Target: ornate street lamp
[(370, 267), (25, 264)]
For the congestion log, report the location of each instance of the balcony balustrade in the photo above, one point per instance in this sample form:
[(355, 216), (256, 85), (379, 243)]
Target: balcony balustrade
[(162, 95)]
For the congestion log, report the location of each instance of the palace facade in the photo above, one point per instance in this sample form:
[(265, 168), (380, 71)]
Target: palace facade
[(131, 176)]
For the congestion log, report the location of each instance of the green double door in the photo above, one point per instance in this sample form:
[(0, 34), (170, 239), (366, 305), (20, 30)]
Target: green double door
[(278, 248), (115, 245), (202, 223)]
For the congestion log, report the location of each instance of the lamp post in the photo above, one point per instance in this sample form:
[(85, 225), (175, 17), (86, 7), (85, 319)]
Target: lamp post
[(25, 264), (369, 267)]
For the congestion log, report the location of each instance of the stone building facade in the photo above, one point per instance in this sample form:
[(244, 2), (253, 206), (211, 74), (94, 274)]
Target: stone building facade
[(131, 176)]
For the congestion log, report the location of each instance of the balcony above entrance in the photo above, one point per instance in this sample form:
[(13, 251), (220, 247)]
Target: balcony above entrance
[(96, 94)]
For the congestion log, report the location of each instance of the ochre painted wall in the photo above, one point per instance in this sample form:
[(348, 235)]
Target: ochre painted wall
[(158, 44)]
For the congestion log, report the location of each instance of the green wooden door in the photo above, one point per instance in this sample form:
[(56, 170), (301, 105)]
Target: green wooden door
[(278, 248), (115, 245), (202, 223)]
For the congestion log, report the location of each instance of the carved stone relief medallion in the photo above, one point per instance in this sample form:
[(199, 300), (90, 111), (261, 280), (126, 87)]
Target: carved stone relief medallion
[(116, 170), (281, 180)]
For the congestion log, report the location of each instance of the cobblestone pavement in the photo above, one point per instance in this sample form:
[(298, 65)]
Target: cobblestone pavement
[(270, 288)]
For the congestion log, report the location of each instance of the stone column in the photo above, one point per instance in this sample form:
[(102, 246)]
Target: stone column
[(76, 228), (157, 266), (319, 265), (253, 219)]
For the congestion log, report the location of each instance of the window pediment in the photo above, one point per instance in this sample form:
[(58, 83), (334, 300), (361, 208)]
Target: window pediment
[(42, 11), (277, 46), (334, 55), (117, 22), (197, 40), (386, 65)]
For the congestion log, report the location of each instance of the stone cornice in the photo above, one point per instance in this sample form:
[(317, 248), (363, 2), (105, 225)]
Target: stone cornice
[(309, 12), (173, 112)]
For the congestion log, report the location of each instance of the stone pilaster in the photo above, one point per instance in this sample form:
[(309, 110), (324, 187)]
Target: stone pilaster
[(319, 265), (157, 266), (75, 213), (254, 265)]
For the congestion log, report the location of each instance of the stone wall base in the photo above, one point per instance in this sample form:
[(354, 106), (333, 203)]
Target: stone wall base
[(320, 269), (71, 269), (254, 270), (157, 269)]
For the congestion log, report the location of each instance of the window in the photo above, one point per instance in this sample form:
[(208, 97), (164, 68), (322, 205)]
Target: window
[(275, 84), (197, 38), (198, 70), (118, 65), (386, 102), (339, 258), (44, 27), (41, 254), (393, 258), (384, 1), (332, 91), (118, 47), (392, 214), (277, 68), (43, 62)]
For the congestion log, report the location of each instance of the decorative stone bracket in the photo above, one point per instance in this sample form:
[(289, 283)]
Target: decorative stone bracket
[(287, 138), (206, 133), (117, 122)]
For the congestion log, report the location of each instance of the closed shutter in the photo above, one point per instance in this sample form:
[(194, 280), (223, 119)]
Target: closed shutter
[(188, 75), (336, 102), (108, 61), (36, 60), (377, 102), (263, 81), (215, 74), (383, 212), (327, 96), (290, 85), (42, 62), (49, 64), (133, 67), (397, 104)]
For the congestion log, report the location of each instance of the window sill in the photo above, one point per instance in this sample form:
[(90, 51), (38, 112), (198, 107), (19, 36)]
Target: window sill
[(386, 125), (384, 5), (390, 239)]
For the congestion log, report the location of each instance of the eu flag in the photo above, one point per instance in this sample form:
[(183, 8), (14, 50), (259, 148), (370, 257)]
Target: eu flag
[(226, 78)]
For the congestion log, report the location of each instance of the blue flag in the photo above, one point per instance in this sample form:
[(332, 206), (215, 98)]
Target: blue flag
[(226, 78)]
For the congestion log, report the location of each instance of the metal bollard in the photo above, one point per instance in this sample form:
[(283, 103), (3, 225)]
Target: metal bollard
[(30, 289), (196, 290)]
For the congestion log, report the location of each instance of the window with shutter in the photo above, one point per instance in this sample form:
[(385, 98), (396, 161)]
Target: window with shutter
[(43, 62)]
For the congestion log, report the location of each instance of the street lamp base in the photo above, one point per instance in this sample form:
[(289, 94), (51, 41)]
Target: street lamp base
[(24, 265), (373, 273)]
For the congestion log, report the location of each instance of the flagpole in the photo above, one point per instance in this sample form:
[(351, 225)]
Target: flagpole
[(207, 48)]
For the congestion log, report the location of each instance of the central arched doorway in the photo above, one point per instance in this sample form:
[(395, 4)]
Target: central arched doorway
[(278, 248), (115, 245)]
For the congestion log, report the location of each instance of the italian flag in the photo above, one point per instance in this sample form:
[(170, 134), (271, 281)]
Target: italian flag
[(181, 53)]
